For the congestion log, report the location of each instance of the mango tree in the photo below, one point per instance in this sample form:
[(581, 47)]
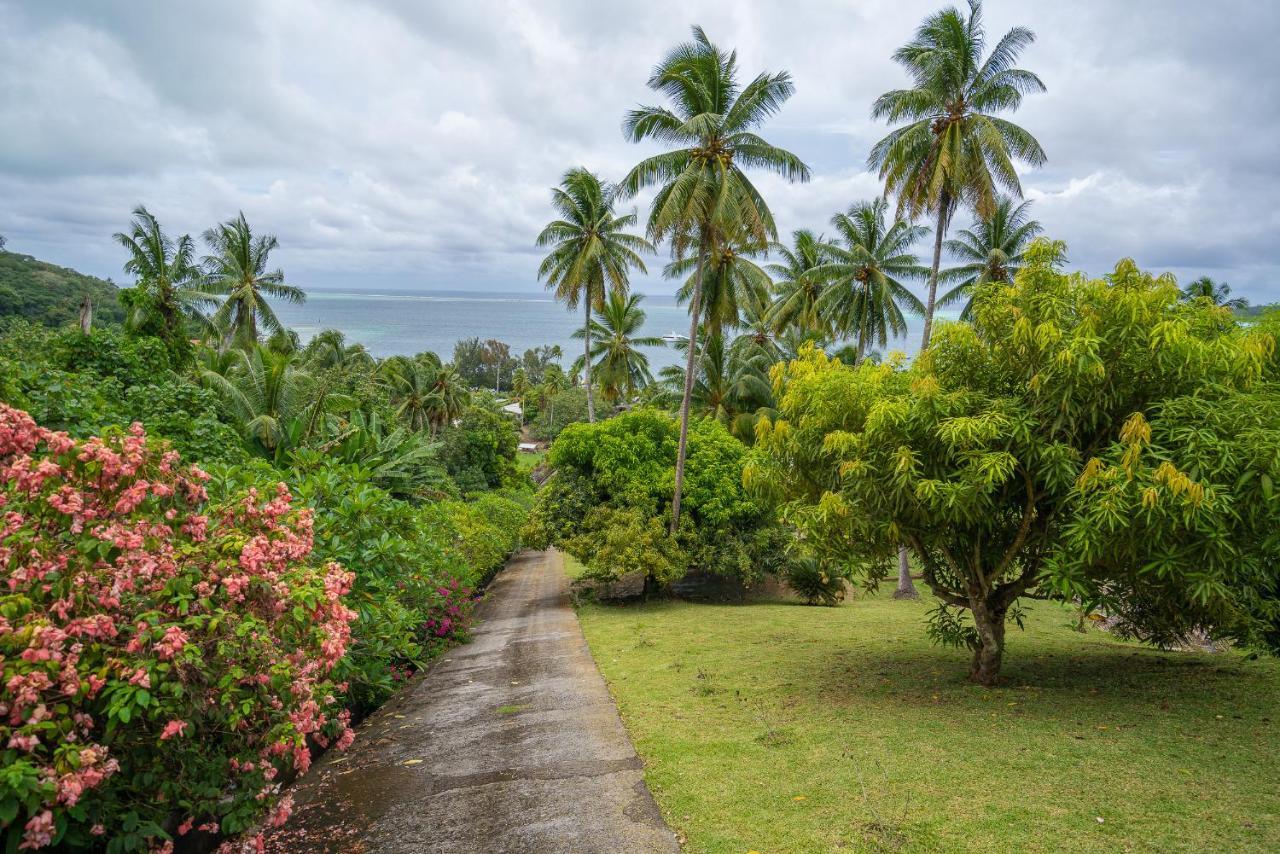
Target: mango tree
[(1092, 440)]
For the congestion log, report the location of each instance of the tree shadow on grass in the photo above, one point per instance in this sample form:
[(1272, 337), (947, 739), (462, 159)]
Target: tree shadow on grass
[(1123, 677)]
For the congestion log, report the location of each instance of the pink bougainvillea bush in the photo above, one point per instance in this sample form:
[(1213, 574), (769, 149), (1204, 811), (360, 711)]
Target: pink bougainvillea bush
[(164, 662)]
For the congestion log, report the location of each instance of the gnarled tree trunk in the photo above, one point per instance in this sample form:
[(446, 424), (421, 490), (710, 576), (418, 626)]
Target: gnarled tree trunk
[(988, 649), (906, 587)]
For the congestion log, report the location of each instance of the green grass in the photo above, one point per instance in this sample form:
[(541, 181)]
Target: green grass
[(527, 461), (782, 728), (572, 566)]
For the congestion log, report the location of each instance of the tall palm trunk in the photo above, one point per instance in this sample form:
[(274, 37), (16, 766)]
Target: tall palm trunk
[(586, 358), (906, 587), (694, 310), (944, 204)]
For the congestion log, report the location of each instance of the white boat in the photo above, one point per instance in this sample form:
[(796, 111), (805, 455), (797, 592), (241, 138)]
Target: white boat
[(674, 337)]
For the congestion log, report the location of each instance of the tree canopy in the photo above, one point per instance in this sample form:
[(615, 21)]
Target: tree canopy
[(1094, 440)]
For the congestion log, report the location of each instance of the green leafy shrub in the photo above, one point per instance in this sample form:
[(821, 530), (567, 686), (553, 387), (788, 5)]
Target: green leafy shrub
[(486, 532), (815, 581), (626, 466), (480, 451), (408, 569), (558, 412), (624, 541)]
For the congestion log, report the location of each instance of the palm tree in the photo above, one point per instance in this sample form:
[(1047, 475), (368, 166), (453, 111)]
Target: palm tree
[(621, 368), (237, 268), (275, 402), (990, 250), (167, 281), (703, 190), (796, 288), (329, 349), (955, 149), (426, 396), (451, 392), (730, 382), (590, 248), (1219, 294), (865, 266), (731, 279), (409, 388)]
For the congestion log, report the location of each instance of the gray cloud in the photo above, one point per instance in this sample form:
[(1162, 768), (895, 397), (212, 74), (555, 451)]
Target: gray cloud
[(392, 143)]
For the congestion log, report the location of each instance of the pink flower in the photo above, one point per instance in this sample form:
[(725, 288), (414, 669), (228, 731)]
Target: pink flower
[(39, 831), (172, 729), (24, 742), (283, 811)]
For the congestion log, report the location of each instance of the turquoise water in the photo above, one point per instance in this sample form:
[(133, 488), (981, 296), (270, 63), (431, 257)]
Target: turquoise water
[(404, 323)]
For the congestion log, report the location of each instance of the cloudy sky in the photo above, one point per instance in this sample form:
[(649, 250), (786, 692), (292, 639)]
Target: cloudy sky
[(402, 144)]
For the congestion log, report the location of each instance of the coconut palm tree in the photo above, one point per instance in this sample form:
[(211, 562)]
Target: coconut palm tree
[(451, 393), (711, 129), (275, 402), (797, 289), (168, 282), (329, 349), (864, 269), (1219, 294), (236, 267), (730, 382), (553, 382), (619, 366), (425, 395), (408, 385), (990, 250), (590, 247), (731, 279), (954, 149)]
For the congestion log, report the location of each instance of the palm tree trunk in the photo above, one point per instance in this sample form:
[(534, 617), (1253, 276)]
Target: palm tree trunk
[(694, 310), (586, 357), (943, 204)]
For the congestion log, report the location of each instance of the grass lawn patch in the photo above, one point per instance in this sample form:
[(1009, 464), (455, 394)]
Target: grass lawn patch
[(572, 566), (784, 728), (527, 461)]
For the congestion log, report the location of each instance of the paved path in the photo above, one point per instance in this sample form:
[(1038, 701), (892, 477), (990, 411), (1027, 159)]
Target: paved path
[(510, 743)]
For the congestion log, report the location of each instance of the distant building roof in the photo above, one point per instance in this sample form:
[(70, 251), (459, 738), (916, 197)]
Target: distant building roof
[(513, 408)]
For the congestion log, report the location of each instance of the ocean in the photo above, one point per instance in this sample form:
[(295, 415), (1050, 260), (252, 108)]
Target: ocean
[(408, 322)]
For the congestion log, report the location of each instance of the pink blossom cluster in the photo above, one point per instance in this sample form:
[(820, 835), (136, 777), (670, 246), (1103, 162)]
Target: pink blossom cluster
[(450, 615), (147, 637)]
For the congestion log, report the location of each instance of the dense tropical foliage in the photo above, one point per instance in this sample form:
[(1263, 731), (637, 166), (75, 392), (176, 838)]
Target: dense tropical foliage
[(1098, 441), (222, 542)]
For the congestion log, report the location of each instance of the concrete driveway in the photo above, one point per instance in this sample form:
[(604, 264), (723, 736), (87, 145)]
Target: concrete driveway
[(510, 743)]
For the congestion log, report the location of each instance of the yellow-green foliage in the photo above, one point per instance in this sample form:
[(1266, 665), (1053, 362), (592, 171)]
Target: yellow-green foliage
[(1090, 438)]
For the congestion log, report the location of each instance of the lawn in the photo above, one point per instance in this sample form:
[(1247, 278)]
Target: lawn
[(527, 461), (783, 728)]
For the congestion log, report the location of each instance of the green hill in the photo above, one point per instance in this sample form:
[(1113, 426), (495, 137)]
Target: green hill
[(51, 295)]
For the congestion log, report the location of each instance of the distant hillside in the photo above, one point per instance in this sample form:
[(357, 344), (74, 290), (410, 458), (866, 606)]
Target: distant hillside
[(51, 295)]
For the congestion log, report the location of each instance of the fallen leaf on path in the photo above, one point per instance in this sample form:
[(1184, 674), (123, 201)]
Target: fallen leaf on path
[(412, 762)]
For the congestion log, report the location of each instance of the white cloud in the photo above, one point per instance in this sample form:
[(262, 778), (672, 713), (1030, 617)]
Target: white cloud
[(414, 144)]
